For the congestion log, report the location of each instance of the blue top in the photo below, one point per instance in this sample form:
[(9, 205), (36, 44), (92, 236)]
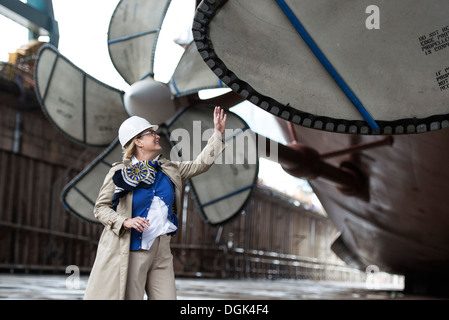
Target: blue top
[(154, 202)]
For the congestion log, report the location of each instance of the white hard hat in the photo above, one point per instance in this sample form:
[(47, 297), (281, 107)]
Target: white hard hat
[(131, 127)]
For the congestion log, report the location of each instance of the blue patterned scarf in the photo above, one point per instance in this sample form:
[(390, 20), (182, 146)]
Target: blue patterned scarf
[(139, 175)]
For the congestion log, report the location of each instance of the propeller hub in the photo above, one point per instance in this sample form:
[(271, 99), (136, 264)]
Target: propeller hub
[(150, 99)]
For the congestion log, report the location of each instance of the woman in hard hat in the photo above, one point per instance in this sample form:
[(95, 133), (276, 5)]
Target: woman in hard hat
[(138, 205)]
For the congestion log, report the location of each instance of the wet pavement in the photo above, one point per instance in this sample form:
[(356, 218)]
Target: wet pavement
[(62, 287)]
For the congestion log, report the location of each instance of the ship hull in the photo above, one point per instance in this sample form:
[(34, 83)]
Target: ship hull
[(399, 221)]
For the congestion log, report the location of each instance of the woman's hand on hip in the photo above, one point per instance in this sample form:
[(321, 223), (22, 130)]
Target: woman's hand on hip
[(138, 223)]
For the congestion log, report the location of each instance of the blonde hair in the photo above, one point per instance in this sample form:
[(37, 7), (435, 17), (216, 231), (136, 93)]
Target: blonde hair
[(129, 150)]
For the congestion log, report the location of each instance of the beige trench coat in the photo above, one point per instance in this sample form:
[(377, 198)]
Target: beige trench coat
[(109, 273)]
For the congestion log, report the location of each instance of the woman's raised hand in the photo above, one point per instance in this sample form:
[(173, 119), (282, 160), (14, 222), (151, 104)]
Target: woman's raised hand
[(219, 120)]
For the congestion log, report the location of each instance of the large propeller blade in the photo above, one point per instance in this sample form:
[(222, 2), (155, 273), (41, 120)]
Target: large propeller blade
[(81, 107), (222, 191), (323, 66), (133, 33), (192, 74)]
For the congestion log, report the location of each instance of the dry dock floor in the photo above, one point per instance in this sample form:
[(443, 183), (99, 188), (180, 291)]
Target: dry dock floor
[(57, 287)]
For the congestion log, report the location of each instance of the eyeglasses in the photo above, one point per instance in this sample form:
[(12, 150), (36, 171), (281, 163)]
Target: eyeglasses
[(152, 132)]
